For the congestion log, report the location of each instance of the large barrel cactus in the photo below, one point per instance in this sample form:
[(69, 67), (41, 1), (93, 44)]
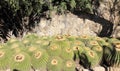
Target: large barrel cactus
[(59, 53)]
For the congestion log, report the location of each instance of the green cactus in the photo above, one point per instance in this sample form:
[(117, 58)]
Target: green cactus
[(12, 40), (47, 38), (101, 41), (42, 41), (70, 38), (30, 49), (38, 41), (106, 38), (3, 46), (78, 42), (14, 44), (89, 58), (99, 51), (92, 43), (5, 55), (20, 61), (64, 44), (55, 64), (113, 40), (57, 53), (17, 46), (84, 39), (30, 39), (26, 42), (60, 38), (108, 53), (116, 60), (77, 49), (67, 53), (31, 36), (39, 59), (69, 65), (54, 49)]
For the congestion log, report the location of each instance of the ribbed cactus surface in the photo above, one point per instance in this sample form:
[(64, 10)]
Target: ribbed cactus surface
[(58, 53)]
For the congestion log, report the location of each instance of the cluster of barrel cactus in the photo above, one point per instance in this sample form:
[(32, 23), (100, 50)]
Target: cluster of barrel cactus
[(58, 53)]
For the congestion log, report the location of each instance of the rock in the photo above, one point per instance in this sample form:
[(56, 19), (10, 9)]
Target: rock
[(8, 70), (113, 69), (65, 24), (99, 68), (85, 70), (117, 32), (83, 24)]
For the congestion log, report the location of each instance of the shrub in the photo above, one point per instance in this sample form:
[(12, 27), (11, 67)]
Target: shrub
[(18, 16)]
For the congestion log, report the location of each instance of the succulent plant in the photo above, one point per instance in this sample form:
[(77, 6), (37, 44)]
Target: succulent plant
[(84, 38), (12, 40), (5, 55), (108, 53), (31, 36), (99, 51), (76, 46), (14, 44), (64, 44), (101, 41), (78, 42), (116, 60), (3, 46), (42, 41), (20, 61), (55, 64), (30, 49), (89, 58), (57, 53), (70, 38), (39, 59), (60, 38), (30, 39), (68, 65), (44, 44), (47, 38), (16, 47), (115, 52), (77, 49), (91, 43), (113, 40), (67, 53), (26, 42), (54, 49)]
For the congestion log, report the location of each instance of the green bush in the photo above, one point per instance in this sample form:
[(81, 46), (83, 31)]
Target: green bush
[(21, 16)]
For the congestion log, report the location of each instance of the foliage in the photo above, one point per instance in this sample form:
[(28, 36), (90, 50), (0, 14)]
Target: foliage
[(18, 16), (59, 54)]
